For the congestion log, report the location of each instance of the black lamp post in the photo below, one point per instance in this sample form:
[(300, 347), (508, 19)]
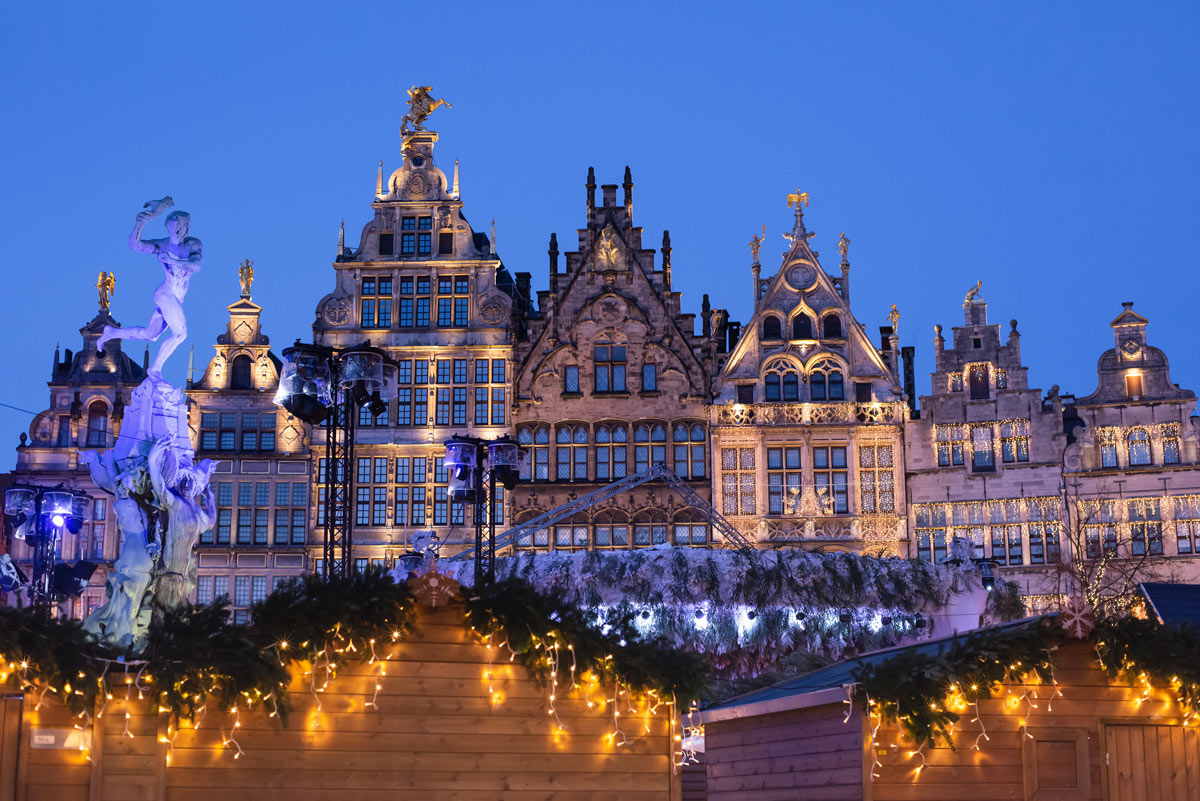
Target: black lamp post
[(39, 516), (465, 459), (321, 384)]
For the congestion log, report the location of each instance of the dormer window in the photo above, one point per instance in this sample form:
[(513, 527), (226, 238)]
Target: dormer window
[(771, 329), (832, 327), (1133, 386), (980, 390), (802, 327), (416, 237)]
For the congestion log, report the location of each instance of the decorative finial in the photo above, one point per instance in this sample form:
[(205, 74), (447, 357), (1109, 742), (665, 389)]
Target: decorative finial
[(492, 239), (454, 188), (341, 239), (246, 277), (756, 244), (843, 247), (379, 181), (973, 293), (799, 232), (421, 103), (107, 284), (797, 198)]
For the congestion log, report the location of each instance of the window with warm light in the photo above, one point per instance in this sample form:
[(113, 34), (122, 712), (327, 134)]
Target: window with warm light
[(1138, 441)]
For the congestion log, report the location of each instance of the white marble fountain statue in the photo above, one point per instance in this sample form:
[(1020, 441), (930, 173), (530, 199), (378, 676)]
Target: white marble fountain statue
[(162, 499)]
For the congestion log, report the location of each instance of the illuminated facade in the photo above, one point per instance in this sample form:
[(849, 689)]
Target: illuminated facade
[(262, 478), (88, 392), (1132, 470), (808, 419), (612, 378), (430, 291), (984, 456)]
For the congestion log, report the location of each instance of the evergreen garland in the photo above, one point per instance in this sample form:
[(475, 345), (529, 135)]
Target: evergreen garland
[(531, 622), (911, 687), (1146, 654)]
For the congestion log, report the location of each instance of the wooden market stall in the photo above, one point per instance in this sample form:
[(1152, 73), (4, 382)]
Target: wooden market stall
[(442, 730), (802, 739)]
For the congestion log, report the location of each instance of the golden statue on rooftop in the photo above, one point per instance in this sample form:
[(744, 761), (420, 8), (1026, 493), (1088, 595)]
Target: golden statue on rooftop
[(796, 198), (107, 284), (843, 246), (246, 276), (756, 244), (421, 103)]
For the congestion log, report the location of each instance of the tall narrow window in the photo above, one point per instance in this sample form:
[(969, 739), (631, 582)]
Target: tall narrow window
[(97, 425), (802, 327), (931, 533), (1187, 524), (1170, 443), (650, 445), (980, 390), (649, 377), (689, 450), (1107, 438), (571, 379), (832, 327), (826, 382), (781, 382), (1145, 527), (610, 366), (737, 481), (1139, 447), (951, 444), (611, 452), (830, 474), (771, 329), (1133, 386), (983, 456), (240, 375), (1014, 441), (876, 479), (571, 453), (783, 480), (536, 442), (1005, 519)]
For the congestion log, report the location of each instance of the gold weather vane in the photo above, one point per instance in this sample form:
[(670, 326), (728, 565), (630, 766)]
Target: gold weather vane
[(107, 284), (246, 276), (797, 197)]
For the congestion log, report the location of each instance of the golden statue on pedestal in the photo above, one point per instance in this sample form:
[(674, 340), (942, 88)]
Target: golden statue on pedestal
[(421, 103), (797, 197), (756, 244), (246, 276), (843, 246), (107, 284)]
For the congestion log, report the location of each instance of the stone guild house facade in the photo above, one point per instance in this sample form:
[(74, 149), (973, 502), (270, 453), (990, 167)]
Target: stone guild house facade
[(88, 392), (984, 458), (808, 417), (431, 292), (611, 379), (1132, 469), (261, 482)]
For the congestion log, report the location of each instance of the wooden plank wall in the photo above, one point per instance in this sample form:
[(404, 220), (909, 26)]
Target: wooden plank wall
[(437, 735), (805, 754), (813, 751)]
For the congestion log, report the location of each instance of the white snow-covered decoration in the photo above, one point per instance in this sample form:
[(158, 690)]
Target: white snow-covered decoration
[(745, 613), (1077, 618)]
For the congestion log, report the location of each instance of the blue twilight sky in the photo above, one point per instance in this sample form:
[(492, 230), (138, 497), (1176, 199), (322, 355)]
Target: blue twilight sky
[(1048, 149)]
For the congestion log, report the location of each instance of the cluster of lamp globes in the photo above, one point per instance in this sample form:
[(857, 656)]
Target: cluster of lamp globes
[(40, 516)]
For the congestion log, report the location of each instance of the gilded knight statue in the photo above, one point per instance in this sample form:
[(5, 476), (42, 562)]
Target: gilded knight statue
[(421, 103), (180, 256)]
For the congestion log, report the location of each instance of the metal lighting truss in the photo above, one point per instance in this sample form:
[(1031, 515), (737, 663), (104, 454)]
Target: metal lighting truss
[(657, 472)]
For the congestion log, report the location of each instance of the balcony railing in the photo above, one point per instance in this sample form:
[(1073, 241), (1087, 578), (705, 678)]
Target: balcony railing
[(796, 414)]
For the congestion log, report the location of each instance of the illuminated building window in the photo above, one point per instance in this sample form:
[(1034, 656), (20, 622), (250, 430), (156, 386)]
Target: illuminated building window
[(1170, 443), (611, 530), (1014, 441), (649, 377), (951, 444), (826, 382), (1001, 379), (97, 425), (1133, 386), (1005, 522), (1043, 530), (408, 236), (1139, 447), (571, 379), (980, 388), (1099, 523), (931, 533), (876, 479), (1107, 438), (481, 406), (829, 473), (956, 382), (649, 528), (1145, 527), (737, 481), (1187, 524), (983, 457), (783, 480), (64, 431), (966, 523), (459, 416)]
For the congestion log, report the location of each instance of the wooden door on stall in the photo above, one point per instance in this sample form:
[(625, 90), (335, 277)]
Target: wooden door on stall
[(1151, 763)]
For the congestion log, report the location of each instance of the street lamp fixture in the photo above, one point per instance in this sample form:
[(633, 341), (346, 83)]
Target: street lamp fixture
[(465, 459), (39, 516)]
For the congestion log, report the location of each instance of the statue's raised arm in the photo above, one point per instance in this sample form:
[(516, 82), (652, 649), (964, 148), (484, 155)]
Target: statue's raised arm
[(150, 210)]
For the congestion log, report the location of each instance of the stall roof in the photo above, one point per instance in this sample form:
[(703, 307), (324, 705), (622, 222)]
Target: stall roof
[(825, 685), (1173, 603)]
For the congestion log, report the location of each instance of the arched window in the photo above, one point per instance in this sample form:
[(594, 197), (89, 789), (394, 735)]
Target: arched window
[(689, 450), (1139, 447), (772, 329), (97, 425), (649, 528), (240, 376), (688, 528), (539, 538), (650, 445), (571, 453), (832, 327), (611, 452), (826, 382), (802, 327), (571, 535), (536, 442), (612, 529), (781, 382)]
